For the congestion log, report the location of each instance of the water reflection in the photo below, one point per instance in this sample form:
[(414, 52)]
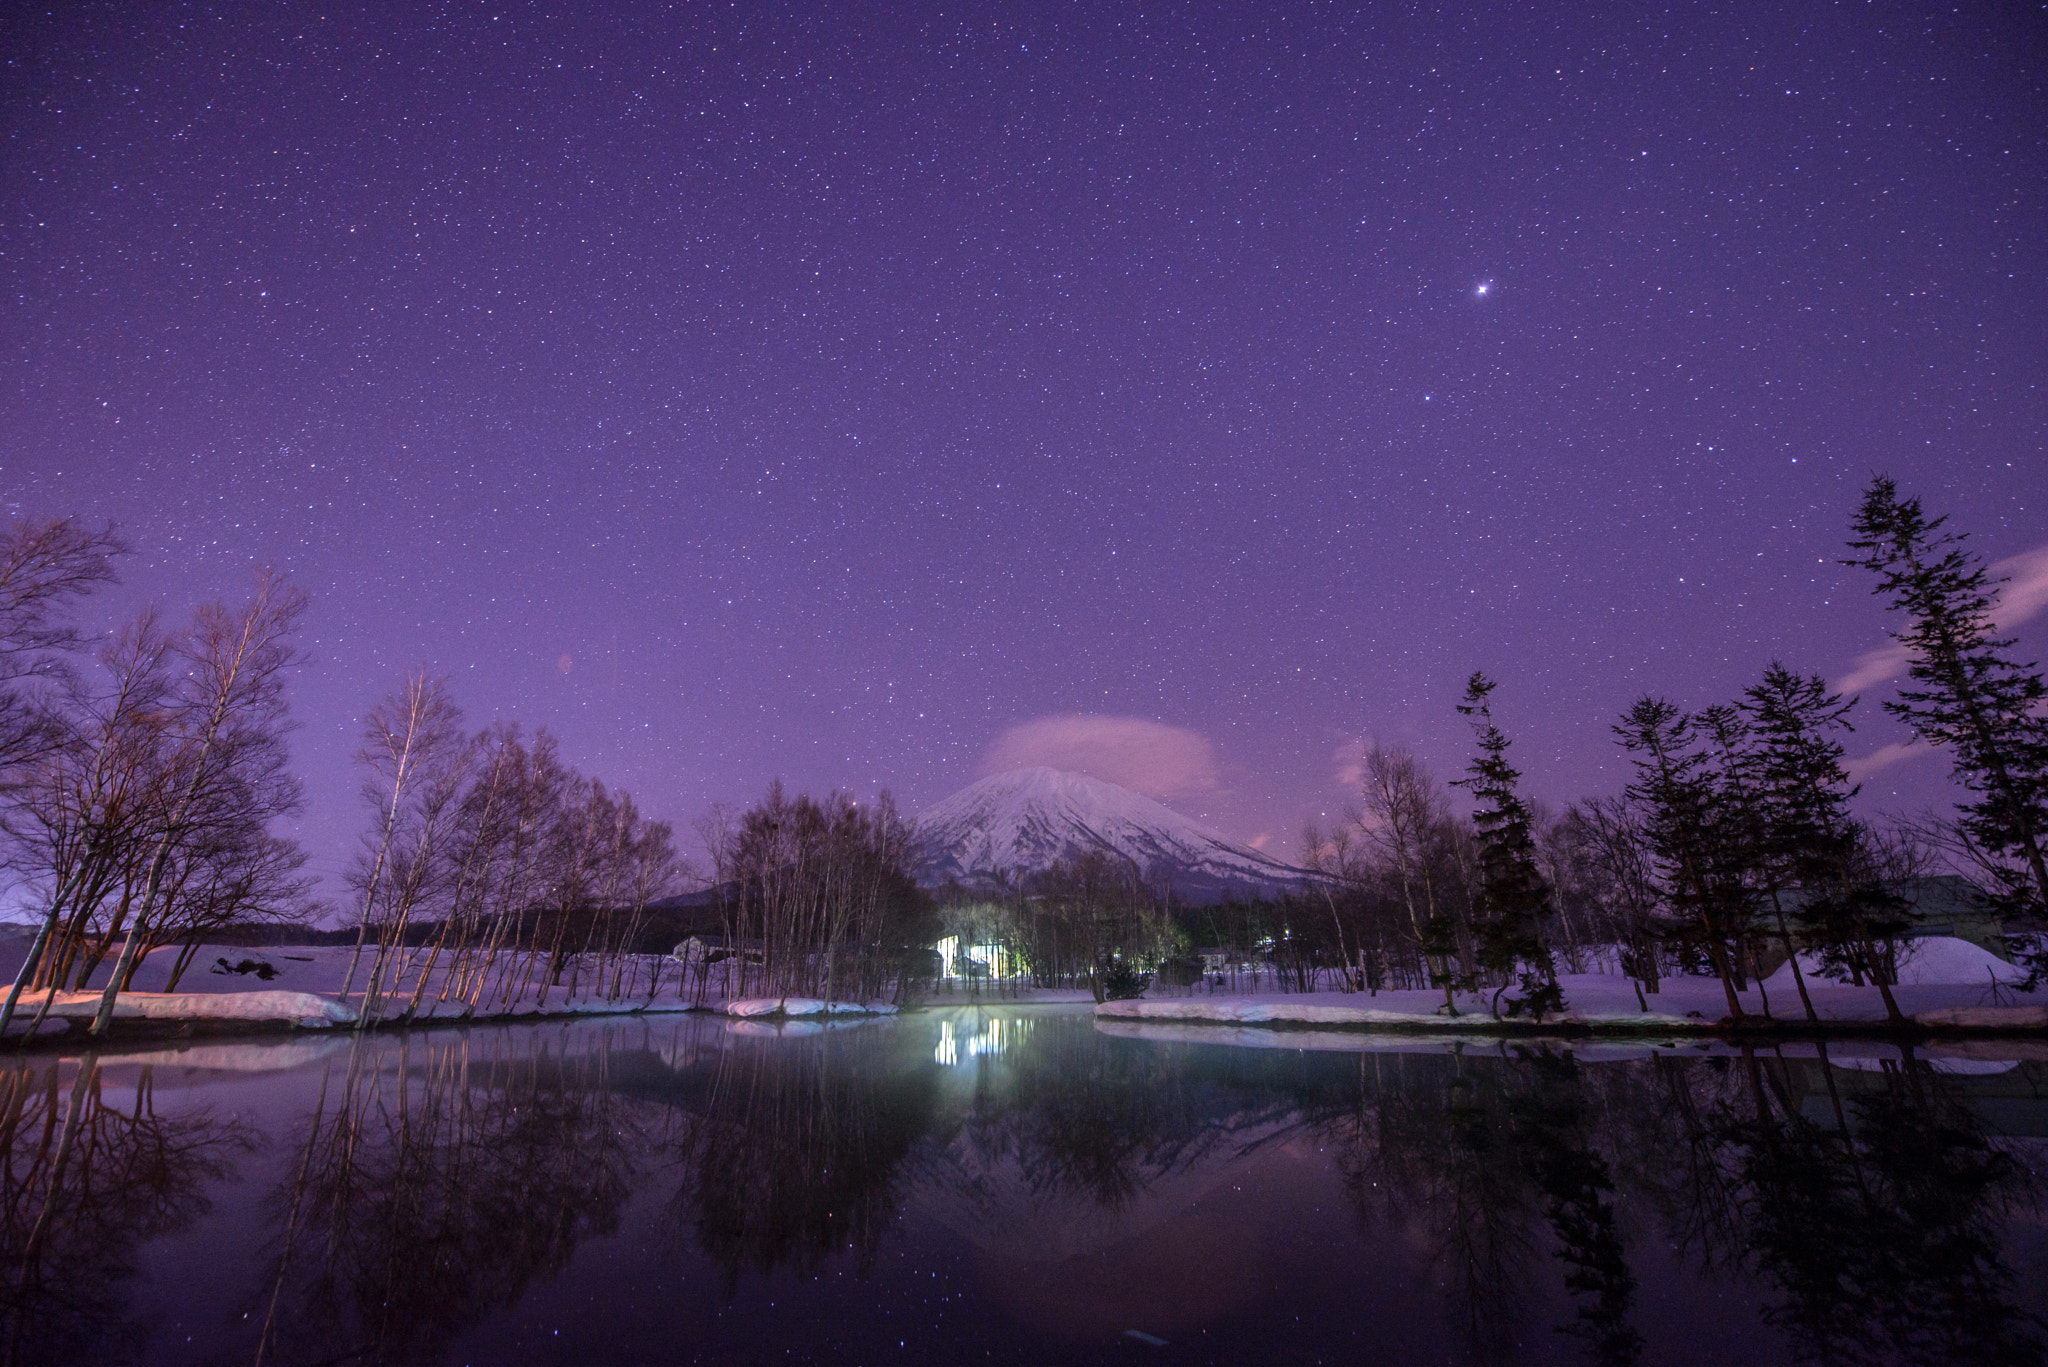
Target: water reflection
[(90, 1169), (1483, 1158), (960, 1042), (1882, 1231), (798, 1151), (439, 1176), (397, 1196)]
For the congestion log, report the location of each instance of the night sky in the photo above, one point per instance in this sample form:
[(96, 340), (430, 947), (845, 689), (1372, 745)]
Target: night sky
[(874, 395)]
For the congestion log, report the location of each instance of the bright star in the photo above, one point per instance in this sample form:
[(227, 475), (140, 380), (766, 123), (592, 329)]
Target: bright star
[(1484, 287)]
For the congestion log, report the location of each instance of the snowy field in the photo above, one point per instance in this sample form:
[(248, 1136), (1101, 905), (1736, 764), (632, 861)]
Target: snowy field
[(301, 985)]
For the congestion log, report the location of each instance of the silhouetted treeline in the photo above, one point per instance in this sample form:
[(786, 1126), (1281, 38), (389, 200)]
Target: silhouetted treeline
[(141, 773), (533, 877), (815, 900), (1733, 849)]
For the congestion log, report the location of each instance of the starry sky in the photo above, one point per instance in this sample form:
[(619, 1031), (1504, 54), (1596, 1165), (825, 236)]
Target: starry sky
[(878, 395)]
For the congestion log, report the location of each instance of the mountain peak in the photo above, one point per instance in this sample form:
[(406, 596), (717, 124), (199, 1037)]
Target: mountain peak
[(1011, 825)]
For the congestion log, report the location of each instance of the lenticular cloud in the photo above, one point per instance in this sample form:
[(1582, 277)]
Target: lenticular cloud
[(1146, 756)]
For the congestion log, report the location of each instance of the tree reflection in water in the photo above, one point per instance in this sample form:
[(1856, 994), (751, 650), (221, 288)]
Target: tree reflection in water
[(425, 1179), (1484, 1157), (1883, 1236), (1877, 1232), (90, 1169), (440, 1175), (798, 1152), (1089, 1119)]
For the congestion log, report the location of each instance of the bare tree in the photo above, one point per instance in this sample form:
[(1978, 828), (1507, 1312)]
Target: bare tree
[(45, 565), (418, 869), (1334, 858), (1620, 883), (814, 893), (1409, 823), (81, 811), (238, 876), (416, 728), (228, 727)]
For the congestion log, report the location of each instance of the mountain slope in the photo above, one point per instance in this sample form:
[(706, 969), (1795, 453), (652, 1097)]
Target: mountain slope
[(1014, 824)]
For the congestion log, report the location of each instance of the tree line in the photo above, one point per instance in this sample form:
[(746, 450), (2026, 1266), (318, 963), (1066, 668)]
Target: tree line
[(143, 772), (491, 872), (1734, 847)]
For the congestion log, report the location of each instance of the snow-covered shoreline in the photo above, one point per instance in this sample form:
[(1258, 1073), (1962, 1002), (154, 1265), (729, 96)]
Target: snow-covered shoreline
[(294, 987), (1236, 1014), (1946, 986), (308, 1011)]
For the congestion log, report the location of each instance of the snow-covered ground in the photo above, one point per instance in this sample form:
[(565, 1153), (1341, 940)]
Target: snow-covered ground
[(301, 985), (1972, 1056), (1943, 982)]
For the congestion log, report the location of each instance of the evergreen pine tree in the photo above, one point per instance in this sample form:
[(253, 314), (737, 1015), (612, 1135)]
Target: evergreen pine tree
[(1968, 694), (1676, 790), (1732, 835), (1513, 899), (1806, 837)]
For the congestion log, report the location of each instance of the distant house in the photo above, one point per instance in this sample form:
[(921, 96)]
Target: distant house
[(958, 960), (1942, 905), (1952, 905), (712, 948), (1222, 959)]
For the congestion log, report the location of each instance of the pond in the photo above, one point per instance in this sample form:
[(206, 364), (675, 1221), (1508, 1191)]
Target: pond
[(1016, 1185)]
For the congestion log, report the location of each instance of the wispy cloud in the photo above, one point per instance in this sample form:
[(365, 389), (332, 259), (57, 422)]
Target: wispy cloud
[(2027, 594), (1347, 762), (1884, 757), (1147, 756), (1874, 667), (2019, 600)]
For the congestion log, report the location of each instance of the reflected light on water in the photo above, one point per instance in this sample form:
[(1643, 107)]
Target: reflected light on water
[(606, 1190), (993, 1037)]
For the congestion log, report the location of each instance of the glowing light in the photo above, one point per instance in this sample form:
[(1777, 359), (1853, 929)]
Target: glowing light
[(956, 1046)]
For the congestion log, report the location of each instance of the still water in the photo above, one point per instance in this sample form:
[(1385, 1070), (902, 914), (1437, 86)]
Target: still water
[(1015, 1186)]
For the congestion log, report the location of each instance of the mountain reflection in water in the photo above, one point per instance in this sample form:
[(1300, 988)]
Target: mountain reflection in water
[(1014, 1185)]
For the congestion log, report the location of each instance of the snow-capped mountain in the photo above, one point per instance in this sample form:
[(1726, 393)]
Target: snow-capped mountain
[(1014, 824)]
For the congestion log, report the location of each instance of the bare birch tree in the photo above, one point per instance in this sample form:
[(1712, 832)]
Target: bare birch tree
[(45, 566), (415, 728), (228, 727)]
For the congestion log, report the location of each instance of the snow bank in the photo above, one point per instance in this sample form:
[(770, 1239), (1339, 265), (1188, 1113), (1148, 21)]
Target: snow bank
[(1320, 1009), (1256, 1037), (1937, 961), (300, 1008), (804, 1006), (1987, 1017), (1951, 986)]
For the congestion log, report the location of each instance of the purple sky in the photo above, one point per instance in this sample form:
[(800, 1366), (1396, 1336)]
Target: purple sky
[(867, 396)]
